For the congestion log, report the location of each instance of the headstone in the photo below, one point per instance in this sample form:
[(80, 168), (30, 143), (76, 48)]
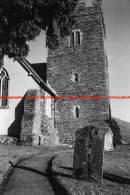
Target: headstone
[(108, 140), (88, 153)]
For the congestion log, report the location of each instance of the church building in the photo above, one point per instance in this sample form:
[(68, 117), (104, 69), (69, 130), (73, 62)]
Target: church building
[(77, 68)]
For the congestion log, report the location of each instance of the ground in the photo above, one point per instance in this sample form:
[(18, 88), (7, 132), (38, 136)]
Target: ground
[(116, 174), (116, 169), (13, 153)]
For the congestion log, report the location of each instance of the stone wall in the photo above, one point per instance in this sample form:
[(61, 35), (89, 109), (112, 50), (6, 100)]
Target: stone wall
[(37, 125), (89, 61), (1, 58)]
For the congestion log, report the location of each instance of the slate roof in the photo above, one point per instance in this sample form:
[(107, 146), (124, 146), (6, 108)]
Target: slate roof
[(38, 72), (41, 70)]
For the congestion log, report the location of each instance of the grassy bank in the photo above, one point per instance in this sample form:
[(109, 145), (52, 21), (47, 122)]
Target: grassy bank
[(116, 174)]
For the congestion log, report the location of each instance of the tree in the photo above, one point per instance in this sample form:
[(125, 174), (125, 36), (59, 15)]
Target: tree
[(23, 20)]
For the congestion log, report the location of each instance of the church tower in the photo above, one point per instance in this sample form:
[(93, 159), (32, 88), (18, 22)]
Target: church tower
[(78, 67)]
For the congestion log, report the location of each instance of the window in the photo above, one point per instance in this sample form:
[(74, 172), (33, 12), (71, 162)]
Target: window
[(72, 39), (81, 5), (76, 77), (75, 37), (3, 87), (76, 110)]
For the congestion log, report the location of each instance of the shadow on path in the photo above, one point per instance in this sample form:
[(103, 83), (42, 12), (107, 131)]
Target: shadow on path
[(56, 186)]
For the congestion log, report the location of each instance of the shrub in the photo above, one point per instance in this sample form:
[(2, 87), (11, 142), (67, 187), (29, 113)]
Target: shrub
[(8, 140), (116, 132)]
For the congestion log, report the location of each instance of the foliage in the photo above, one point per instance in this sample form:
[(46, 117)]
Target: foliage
[(8, 140), (116, 132), (23, 20)]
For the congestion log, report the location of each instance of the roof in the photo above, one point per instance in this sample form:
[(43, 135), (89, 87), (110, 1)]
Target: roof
[(41, 70), (35, 71)]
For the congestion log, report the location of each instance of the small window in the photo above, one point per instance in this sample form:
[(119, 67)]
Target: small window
[(77, 38), (76, 77), (77, 112), (72, 39), (81, 5), (3, 87)]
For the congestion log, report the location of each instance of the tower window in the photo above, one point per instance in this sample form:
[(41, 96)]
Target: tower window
[(81, 5), (76, 77), (77, 38), (72, 39), (76, 112), (3, 87)]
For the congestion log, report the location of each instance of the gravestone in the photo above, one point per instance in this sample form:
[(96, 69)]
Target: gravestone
[(88, 153)]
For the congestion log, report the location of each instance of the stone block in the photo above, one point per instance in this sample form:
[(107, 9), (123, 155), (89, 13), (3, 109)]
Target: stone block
[(36, 124), (54, 139), (88, 153)]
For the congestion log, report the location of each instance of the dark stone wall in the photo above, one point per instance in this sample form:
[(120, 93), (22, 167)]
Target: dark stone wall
[(15, 128), (1, 57), (89, 60), (37, 127)]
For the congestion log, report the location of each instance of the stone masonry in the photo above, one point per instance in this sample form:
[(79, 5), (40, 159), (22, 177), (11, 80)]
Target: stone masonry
[(87, 61), (37, 126)]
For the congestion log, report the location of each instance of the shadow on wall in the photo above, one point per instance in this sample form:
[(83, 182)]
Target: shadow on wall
[(15, 128)]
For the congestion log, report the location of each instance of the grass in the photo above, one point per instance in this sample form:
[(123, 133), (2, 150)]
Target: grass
[(14, 153), (116, 168), (125, 129), (116, 179)]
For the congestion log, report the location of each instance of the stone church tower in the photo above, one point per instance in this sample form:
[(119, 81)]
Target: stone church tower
[(78, 67)]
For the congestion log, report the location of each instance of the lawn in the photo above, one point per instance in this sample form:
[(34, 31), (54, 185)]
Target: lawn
[(116, 174), (116, 169), (125, 129)]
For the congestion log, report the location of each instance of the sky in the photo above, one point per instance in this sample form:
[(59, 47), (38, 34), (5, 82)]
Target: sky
[(117, 20)]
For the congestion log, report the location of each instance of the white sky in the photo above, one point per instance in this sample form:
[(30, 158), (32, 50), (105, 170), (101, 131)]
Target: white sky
[(117, 19)]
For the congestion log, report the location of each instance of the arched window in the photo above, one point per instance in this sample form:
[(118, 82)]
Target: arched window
[(77, 38), (77, 112), (3, 87), (72, 39)]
